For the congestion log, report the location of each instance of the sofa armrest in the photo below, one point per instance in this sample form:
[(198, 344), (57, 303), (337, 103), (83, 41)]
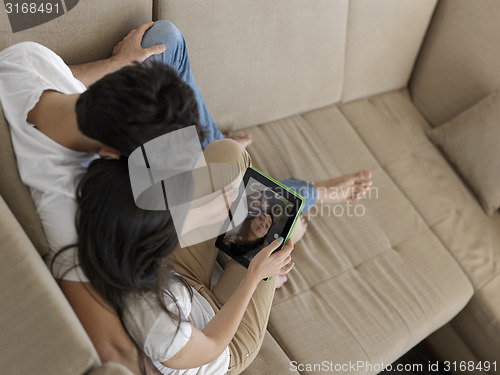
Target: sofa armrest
[(40, 332)]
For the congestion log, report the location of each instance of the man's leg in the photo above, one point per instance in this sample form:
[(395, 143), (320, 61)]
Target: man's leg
[(195, 263), (176, 56)]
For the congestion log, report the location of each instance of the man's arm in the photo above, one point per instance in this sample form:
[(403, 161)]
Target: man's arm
[(127, 51), (103, 326)]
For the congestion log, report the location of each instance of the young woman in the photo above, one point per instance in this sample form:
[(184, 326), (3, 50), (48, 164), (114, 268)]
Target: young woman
[(163, 297)]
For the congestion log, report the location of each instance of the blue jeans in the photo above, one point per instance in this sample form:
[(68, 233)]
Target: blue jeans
[(176, 56)]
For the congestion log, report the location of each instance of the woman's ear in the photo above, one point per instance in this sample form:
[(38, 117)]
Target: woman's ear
[(109, 152)]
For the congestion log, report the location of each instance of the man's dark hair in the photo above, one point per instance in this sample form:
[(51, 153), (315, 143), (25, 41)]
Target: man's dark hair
[(136, 104)]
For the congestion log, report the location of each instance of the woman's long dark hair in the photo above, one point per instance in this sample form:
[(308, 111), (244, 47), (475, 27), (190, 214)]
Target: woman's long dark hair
[(121, 247)]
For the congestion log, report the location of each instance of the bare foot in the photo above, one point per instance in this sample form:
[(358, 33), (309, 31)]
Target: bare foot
[(280, 281), (349, 187), (244, 139)]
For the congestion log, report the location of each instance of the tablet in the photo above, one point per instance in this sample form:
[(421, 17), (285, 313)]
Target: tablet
[(263, 211)]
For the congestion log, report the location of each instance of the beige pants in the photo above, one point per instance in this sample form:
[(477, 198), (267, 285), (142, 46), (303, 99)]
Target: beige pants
[(195, 264)]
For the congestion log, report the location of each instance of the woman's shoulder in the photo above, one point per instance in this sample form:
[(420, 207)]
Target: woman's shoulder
[(149, 323), (175, 295)]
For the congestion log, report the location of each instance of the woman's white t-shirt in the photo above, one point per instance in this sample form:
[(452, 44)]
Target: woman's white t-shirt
[(50, 170), (162, 337)]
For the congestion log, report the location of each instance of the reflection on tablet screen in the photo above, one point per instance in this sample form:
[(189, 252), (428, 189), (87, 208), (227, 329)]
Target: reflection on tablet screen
[(268, 212)]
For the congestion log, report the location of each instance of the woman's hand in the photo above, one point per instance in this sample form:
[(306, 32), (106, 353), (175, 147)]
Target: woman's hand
[(266, 263)]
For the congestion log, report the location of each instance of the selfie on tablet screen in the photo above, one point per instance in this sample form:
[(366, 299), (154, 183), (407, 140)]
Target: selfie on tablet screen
[(270, 213)]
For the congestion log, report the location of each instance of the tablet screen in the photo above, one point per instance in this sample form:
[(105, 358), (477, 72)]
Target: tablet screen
[(267, 211)]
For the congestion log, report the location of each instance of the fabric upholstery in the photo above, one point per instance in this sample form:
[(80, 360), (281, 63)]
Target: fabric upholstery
[(88, 32), (447, 207), (36, 320), (479, 325), (271, 360), (458, 64), (16, 194), (394, 131), (302, 58), (470, 143), (383, 40), (450, 345), (358, 280), (110, 368), (254, 62)]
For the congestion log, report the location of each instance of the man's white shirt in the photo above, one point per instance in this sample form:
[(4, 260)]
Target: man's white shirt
[(50, 170)]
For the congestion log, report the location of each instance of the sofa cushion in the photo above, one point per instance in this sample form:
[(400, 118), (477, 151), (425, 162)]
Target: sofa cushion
[(383, 40), (470, 143), (479, 323), (458, 63), (110, 368), (88, 32), (16, 194), (394, 131), (301, 58), (270, 360), (40, 332), (254, 62), (448, 208), (376, 276)]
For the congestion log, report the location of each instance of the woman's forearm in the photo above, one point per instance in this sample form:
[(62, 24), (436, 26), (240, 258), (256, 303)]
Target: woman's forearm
[(205, 346), (222, 328), (218, 333)]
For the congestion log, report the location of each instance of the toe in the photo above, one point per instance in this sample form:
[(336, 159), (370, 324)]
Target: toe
[(364, 175), (281, 280)]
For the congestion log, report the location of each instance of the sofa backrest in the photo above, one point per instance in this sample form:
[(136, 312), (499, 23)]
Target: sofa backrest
[(262, 60), (259, 61), (40, 332), (460, 59), (87, 32)]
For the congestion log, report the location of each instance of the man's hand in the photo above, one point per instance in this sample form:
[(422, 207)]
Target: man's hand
[(125, 53), (129, 49)]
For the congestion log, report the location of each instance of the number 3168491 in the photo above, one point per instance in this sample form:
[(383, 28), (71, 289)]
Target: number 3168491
[(31, 8)]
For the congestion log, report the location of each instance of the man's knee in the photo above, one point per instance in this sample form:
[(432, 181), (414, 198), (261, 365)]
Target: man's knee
[(167, 33), (228, 151)]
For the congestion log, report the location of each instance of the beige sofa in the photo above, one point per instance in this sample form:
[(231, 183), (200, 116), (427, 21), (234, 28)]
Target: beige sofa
[(325, 87)]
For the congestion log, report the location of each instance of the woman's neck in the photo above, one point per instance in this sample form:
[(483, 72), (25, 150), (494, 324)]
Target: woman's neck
[(251, 237)]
